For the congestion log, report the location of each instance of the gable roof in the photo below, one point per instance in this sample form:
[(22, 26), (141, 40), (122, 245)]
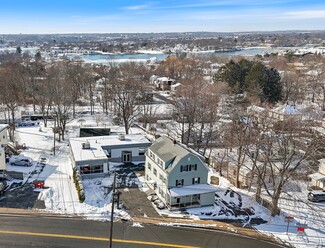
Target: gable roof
[(3, 126), (170, 151)]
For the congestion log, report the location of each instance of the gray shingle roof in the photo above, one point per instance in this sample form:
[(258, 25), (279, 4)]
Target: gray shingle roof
[(166, 150)]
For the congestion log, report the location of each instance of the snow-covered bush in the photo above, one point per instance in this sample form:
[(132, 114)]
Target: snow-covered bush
[(79, 185)]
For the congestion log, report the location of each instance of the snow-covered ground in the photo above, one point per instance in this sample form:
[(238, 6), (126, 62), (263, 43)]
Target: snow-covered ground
[(60, 195)]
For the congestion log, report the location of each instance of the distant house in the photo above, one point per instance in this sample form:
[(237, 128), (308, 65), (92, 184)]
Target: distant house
[(92, 155), (260, 115), (4, 139), (178, 176), (162, 83), (318, 178)]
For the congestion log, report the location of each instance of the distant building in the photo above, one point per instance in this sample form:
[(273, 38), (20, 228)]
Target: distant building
[(318, 178), (178, 176), (263, 116), (162, 83), (4, 139)]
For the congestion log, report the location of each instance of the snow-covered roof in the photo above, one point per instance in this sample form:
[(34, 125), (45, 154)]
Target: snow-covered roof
[(96, 143), (317, 176), (255, 108), (194, 189), (165, 79), (3, 126), (171, 151), (288, 110), (321, 161)]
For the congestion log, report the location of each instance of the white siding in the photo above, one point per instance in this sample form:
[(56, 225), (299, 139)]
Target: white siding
[(116, 153), (4, 137), (2, 159)]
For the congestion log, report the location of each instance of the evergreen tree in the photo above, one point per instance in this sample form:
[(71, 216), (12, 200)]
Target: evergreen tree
[(272, 88), (252, 77), (231, 73), (38, 56), (18, 50)]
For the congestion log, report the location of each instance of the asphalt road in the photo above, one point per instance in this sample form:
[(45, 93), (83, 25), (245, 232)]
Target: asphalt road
[(41, 231)]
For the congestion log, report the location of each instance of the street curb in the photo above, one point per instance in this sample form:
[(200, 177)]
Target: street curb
[(34, 212), (210, 225)]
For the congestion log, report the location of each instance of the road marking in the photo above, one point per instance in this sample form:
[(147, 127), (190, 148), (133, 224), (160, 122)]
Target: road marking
[(95, 239)]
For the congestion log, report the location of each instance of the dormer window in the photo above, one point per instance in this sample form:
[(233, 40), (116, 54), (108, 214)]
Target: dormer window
[(160, 162)]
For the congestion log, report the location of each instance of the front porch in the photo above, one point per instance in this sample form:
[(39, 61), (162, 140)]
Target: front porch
[(179, 206), (196, 195)]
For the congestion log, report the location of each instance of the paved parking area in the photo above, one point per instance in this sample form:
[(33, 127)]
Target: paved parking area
[(137, 203), (18, 196)]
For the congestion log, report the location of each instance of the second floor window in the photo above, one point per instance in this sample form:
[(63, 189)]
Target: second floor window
[(196, 180), (155, 171), (180, 182)]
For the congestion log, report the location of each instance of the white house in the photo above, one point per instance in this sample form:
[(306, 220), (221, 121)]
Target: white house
[(91, 155), (162, 83), (265, 116), (178, 176), (318, 178)]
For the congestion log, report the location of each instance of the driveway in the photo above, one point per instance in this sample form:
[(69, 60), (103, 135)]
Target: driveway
[(137, 204)]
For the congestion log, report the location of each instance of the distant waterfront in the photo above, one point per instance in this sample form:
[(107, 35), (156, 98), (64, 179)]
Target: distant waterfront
[(107, 58), (143, 57)]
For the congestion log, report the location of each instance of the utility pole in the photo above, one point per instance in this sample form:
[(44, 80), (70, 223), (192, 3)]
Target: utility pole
[(54, 130), (112, 212)]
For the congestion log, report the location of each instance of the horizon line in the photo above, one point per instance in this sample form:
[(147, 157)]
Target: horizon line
[(174, 32)]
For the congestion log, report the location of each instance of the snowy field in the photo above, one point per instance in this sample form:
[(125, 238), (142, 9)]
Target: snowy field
[(60, 195)]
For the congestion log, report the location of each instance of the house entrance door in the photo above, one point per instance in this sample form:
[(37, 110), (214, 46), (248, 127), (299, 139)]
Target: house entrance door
[(126, 156)]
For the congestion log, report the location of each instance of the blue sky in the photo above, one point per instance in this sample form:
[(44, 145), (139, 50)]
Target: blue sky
[(110, 16)]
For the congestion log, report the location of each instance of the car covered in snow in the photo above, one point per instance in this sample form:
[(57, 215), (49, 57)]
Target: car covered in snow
[(20, 161)]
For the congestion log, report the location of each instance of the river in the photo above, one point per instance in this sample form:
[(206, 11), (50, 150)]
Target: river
[(143, 57)]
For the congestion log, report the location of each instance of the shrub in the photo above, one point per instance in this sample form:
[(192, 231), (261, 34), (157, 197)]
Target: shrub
[(79, 185)]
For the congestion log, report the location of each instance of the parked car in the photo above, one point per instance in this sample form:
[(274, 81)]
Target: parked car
[(20, 161), (316, 196)]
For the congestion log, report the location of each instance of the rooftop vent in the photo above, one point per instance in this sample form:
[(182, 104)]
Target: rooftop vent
[(86, 145), (121, 137)]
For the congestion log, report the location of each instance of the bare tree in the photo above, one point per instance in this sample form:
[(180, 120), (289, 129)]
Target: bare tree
[(11, 93), (237, 137), (35, 73), (293, 86), (63, 99), (89, 81), (74, 76), (282, 150), (108, 75), (127, 91)]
